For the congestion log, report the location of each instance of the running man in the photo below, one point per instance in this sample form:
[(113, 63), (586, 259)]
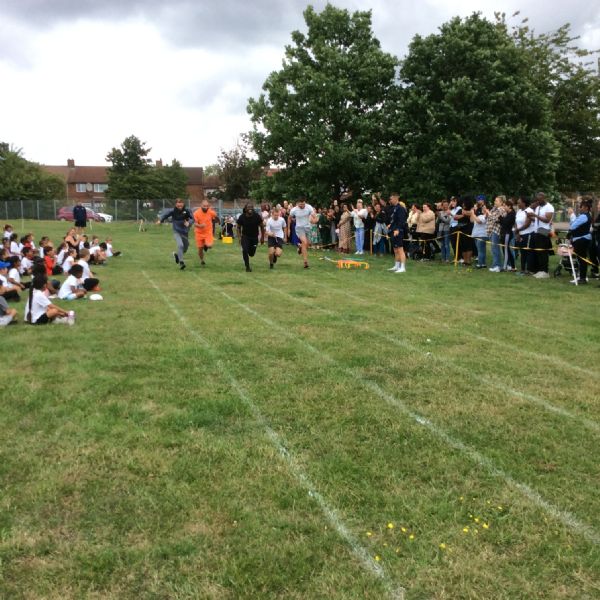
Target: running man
[(276, 227), (249, 224), (204, 218), (399, 229), (182, 219), (304, 214)]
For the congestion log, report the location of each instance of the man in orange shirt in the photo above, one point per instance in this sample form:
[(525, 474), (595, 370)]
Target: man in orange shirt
[(204, 218)]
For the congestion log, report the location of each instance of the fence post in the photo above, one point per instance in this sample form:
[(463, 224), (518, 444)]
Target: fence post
[(137, 211), (54, 208), (116, 214), (457, 251)]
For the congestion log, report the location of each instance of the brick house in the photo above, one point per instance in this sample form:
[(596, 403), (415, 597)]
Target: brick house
[(89, 184)]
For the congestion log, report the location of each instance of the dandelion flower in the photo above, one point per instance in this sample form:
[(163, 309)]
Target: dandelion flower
[(397, 550), (369, 533), (485, 526), (411, 536), (476, 519), (462, 498), (465, 530), (385, 544), (390, 526), (403, 529), (377, 557), (442, 546), (499, 508)]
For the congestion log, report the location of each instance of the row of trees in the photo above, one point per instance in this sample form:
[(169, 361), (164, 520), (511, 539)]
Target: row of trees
[(479, 106), (25, 180)]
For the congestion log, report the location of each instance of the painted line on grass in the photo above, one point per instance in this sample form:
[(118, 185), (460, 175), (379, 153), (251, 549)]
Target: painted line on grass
[(332, 515), (538, 356), (533, 399), (563, 516)]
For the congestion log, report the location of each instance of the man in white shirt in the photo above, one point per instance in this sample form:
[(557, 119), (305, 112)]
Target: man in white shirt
[(275, 229), (359, 215), (304, 215), (542, 243)]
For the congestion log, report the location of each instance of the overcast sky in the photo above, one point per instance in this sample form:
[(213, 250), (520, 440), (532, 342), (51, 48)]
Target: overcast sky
[(78, 76)]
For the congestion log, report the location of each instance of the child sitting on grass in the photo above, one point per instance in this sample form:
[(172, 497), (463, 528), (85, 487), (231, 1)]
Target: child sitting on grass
[(7, 315), (73, 286), (14, 273), (8, 290), (38, 308), (90, 283)]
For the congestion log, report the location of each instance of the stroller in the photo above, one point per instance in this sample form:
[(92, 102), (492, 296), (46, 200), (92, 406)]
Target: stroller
[(568, 262)]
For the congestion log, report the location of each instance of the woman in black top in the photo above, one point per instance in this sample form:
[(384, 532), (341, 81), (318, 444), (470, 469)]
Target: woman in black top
[(249, 224), (507, 224)]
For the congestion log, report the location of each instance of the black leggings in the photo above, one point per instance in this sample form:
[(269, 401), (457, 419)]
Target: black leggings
[(581, 247), (249, 245)]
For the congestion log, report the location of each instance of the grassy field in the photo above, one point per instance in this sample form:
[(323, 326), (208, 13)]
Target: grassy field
[(214, 433)]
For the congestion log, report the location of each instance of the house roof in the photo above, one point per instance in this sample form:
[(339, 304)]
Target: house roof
[(84, 174)]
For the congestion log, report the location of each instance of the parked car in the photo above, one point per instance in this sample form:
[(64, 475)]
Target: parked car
[(65, 213), (107, 218)]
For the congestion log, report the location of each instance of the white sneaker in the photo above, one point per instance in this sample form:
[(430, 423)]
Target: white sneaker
[(541, 275), (5, 320), (394, 268), (495, 269), (61, 320), (401, 270)]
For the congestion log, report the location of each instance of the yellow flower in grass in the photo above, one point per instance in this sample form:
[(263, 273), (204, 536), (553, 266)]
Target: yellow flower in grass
[(476, 519), (397, 550), (442, 546), (465, 530), (403, 529), (462, 498), (377, 557), (385, 544), (369, 533), (485, 526), (411, 536), (390, 526), (499, 508)]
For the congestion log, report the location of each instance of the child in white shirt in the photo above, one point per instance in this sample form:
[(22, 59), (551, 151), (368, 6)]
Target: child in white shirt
[(38, 308), (275, 229), (72, 288)]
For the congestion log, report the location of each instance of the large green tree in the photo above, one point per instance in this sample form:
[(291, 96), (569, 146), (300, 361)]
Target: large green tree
[(236, 170), (21, 179), (569, 77), (471, 116), (132, 177), (320, 115)]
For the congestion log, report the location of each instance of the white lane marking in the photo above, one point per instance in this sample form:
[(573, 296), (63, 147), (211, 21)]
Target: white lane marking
[(559, 410), (332, 514), (565, 517)]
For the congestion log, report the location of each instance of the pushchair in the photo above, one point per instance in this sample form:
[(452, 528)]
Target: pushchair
[(568, 261)]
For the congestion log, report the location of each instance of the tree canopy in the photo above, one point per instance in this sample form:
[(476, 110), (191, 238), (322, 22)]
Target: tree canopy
[(132, 177), (477, 107), (319, 117), (21, 179)]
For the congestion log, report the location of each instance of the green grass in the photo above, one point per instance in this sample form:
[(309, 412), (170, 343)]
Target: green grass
[(220, 434)]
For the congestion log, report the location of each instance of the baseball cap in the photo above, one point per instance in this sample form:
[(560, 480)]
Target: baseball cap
[(4, 265)]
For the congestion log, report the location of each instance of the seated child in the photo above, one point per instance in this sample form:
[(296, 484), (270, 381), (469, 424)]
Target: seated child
[(7, 315), (110, 251), (27, 261), (38, 308), (14, 273), (8, 290), (72, 288), (89, 283), (70, 259)]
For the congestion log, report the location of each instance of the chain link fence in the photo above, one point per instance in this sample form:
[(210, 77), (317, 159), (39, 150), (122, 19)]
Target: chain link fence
[(109, 210)]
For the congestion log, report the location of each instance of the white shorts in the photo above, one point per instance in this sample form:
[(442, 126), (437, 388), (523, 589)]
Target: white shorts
[(302, 232)]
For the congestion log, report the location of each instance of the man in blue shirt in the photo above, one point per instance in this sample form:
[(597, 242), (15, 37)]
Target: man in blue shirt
[(399, 230), (580, 235), (182, 219)]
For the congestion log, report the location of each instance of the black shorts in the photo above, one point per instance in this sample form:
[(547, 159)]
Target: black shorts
[(275, 242), (42, 320), (249, 245), (80, 224), (398, 240)]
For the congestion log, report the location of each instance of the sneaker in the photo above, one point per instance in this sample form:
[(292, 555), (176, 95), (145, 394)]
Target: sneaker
[(578, 281), (306, 266), (181, 266), (6, 320), (176, 258), (61, 320), (494, 269), (274, 258), (202, 263), (394, 268), (541, 275), (270, 265), (248, 270), (400, 270)]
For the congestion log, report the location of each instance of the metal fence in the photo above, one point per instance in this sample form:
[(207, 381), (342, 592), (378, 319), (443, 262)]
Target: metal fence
[(117, 210)]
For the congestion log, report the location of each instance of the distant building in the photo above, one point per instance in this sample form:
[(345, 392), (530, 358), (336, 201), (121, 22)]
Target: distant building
[(89, 184)]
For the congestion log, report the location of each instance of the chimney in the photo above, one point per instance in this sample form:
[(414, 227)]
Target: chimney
[(70, 163), (159, 163)]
